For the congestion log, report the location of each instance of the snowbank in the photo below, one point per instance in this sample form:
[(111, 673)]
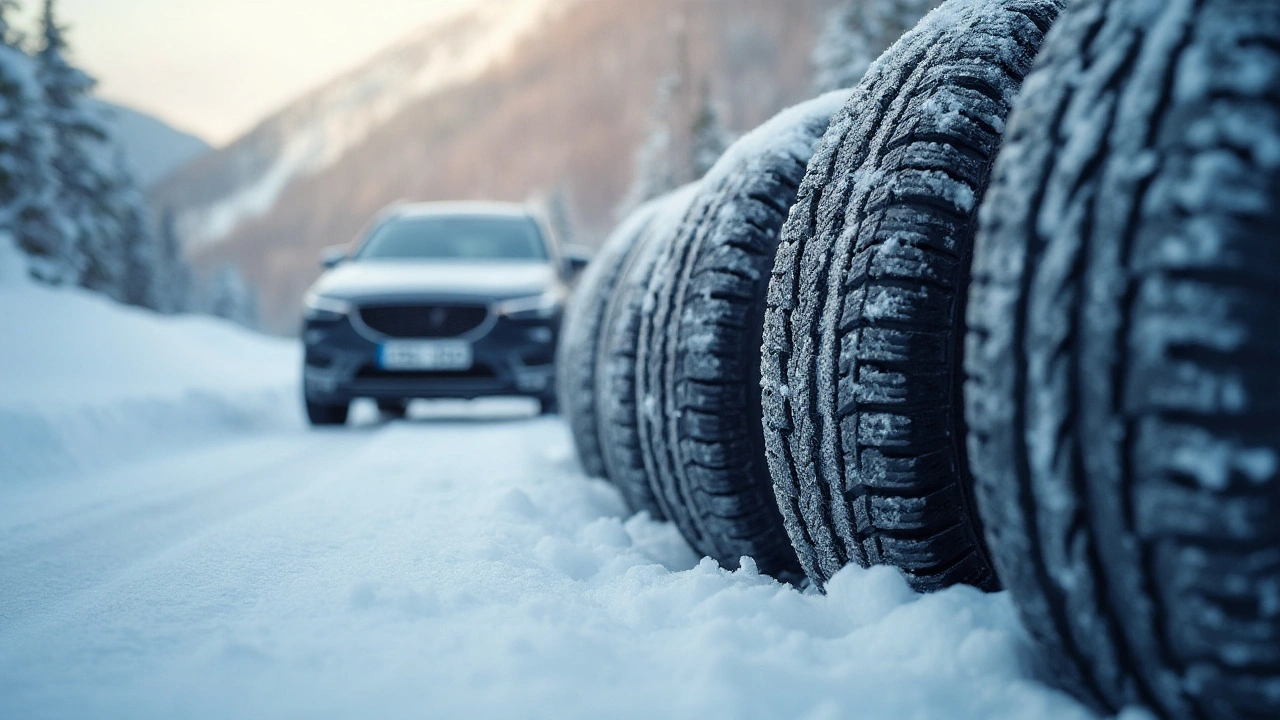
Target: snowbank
[(85, 381), (454, 565), (458, 567)]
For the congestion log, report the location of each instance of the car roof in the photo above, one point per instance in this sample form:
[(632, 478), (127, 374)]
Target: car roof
[(427, 209)]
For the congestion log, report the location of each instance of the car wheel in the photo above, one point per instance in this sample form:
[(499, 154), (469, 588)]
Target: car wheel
[(394, 409), (617, 408), (862, 357), (548, 406), (580, 337), (1123, 395), (699, 341), (320, 414)]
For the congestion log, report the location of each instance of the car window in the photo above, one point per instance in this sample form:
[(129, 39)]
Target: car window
[(455, 237)]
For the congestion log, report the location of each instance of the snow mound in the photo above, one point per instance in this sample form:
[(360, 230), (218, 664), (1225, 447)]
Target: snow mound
[(85, 381), (449, 569)]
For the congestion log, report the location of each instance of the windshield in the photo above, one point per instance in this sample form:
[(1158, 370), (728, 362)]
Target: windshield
[(456, 237)]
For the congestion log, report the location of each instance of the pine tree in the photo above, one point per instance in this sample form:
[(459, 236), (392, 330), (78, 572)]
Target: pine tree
[(856, 33), (561, 215), (655, 168), (27, 183), (230, 296), (80, 164), (174, 284), (142, 283), (709, 137)]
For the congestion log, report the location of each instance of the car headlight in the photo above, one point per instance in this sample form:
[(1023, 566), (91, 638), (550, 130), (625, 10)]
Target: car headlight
[(321, 308), (535, 307)]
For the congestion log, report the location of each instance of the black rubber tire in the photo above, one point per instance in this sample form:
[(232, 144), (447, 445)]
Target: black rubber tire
[(578, 348), (1123, 399), (616, 407), (548, 405), (699, 340), (324, 414), (862, 359), (394, 409)]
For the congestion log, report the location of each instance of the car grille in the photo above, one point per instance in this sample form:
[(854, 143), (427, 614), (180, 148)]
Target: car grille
[(423, 321), (476, 372)]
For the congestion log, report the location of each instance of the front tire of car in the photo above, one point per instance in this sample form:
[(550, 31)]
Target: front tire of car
[(321, 414), (392, 409), (548, 405)]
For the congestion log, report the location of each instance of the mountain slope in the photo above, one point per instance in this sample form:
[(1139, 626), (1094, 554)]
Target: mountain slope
[(244, 180), (154, 148), (560, 111)]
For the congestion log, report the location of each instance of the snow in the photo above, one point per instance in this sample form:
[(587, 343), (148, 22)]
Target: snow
[(84, 381), (456, 564), (789, 133)]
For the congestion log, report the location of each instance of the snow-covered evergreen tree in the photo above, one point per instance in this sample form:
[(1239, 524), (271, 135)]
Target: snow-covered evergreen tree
[(229, 295), (173, 279), (142, 283), (561, 215), (27, 184), (855, 35), (655, 167), (81, 163), (709, 137)]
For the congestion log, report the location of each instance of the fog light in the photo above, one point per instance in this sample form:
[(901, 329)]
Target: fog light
[(529, 382), (322, 385), (540, 334)]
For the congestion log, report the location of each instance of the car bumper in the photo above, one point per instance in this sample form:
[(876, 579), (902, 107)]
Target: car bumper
[(513, 357)]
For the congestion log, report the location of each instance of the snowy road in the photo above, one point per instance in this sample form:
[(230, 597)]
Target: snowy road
[(174, 543), (450, 566)]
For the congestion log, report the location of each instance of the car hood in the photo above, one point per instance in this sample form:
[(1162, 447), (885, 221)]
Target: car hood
[(382, 279)]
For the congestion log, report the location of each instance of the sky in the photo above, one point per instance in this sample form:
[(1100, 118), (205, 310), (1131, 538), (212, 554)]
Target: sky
[(216, 67)]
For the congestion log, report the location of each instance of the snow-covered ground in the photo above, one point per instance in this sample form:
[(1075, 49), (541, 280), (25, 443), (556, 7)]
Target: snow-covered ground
[(175, 543)]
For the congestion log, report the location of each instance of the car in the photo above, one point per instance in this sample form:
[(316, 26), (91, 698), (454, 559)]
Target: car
[(437, 300)]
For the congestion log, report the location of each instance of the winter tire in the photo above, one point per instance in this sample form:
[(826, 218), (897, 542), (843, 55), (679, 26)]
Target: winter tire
[(1123, 399), (320, 414), (548, 405), (700, 328), (393, 409), (616, 407), (580, 336), (862, 358)]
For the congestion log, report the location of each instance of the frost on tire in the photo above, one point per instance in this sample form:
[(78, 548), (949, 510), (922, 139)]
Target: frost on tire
[(1123, 399), (579, 338), (615, 374), (861, 363), (699, 340)]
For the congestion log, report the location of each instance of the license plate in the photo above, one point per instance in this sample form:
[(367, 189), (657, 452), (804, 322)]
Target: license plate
[(425, 355)]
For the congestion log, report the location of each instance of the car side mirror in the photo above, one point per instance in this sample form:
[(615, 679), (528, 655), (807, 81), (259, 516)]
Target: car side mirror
[(332, 257), (576, 259)]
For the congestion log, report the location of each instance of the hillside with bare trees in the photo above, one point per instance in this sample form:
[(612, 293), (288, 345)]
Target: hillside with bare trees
[(561, 119)]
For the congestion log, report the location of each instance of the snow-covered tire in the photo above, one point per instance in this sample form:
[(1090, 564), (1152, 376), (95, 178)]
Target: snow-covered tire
[(862, 359), (549, 405), (393, 409), (615, 394), (322, 414), (699, 340), (577, 351), (1123, 399)]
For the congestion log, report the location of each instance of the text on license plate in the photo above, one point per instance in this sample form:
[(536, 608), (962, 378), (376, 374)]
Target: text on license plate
[(425, 355)]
